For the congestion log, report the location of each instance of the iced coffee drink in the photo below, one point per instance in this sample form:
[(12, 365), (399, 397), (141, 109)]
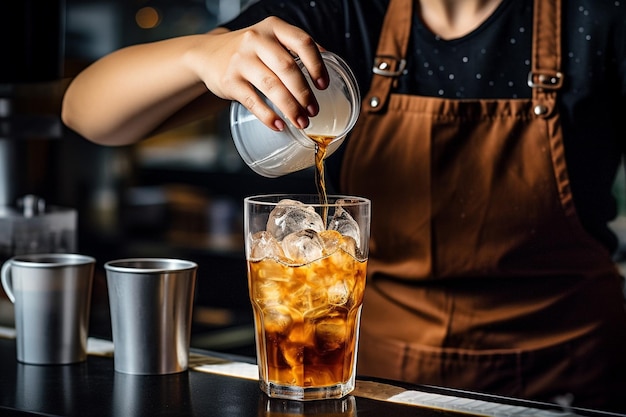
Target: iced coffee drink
[(306, 273)]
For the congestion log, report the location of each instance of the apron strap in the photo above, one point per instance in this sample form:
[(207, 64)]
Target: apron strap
[(390, 60), (545, 76)]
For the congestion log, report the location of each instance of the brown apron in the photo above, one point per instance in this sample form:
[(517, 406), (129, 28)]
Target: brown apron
[(481, 276)]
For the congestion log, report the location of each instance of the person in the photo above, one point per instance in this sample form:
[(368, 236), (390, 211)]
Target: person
[(489, 138)]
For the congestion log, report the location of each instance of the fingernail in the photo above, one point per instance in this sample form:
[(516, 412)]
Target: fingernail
[(279, 124), (312, 109), (303, 122), (321, 83)]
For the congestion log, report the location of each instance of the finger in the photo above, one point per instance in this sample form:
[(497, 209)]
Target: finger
[(271, 68), (265, 62), (299, 43), (247, 72), (283, 84), (278, 44), (288, 74), (248, 96)]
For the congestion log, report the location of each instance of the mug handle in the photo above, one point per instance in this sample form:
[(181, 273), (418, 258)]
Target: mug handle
[(7, 281)]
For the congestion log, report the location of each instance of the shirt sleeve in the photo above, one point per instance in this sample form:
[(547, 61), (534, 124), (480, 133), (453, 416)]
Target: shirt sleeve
[(321, 19)]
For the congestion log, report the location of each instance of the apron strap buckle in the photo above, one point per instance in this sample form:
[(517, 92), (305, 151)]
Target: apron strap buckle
[(383, 65), (546, 79)]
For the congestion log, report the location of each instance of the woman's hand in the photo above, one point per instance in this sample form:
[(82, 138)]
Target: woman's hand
[(238, 65)]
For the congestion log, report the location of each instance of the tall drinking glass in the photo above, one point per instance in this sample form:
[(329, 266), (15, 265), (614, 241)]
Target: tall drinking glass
[(306, 274)]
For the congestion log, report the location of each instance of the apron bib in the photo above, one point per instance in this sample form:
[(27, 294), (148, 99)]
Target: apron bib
[(481, 275)]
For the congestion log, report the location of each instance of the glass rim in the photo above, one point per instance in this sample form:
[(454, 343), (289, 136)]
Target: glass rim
[(51, 260), (272, 199), (152, 265)]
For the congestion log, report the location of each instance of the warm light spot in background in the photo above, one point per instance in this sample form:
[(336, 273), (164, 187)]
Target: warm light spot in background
[(147, 17)]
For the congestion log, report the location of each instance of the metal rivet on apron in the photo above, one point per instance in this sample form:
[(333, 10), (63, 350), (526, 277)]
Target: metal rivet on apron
[(383, 66), (374, 101), (540, 109)]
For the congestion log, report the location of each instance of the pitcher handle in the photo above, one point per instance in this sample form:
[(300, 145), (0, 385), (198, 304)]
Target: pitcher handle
[(7, 281)]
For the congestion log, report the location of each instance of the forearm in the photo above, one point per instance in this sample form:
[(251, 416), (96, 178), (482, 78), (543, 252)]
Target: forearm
[(135, 91)]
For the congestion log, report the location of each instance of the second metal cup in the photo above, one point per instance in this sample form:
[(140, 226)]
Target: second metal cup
[(151, 303)]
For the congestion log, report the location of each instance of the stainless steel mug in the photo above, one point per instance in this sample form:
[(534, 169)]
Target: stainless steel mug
[(52, 298), (151, 303)]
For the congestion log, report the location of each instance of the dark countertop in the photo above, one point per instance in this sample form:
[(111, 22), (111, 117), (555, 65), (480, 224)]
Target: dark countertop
[(93, 388)]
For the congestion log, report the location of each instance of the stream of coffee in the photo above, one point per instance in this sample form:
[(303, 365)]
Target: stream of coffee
[(321, 145)]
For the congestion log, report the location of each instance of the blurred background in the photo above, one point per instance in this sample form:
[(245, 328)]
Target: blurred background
[(175, 195)]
